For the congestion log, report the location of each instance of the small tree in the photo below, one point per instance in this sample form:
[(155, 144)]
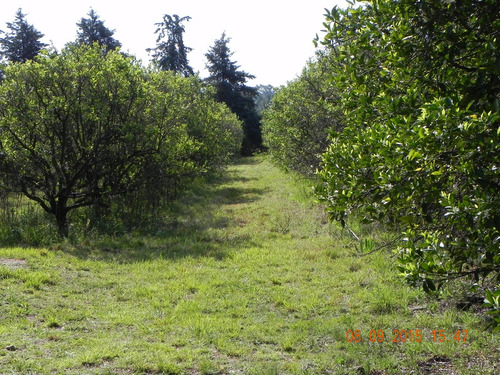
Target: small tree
[(231, 88), (171, 54), (22, 42), (92, 30), (73, 128)]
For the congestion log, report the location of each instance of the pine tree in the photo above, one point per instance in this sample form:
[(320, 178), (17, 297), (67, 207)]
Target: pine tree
[(171, 54), (22, 42), (92, 29), (231, 88)]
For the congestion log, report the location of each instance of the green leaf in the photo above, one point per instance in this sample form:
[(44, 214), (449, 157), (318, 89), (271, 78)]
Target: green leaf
[(414, 155)]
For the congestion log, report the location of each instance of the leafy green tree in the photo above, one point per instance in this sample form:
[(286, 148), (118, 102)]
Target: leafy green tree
[(171, 54), (231, 88), (87, 129), (92, 30), (73, 128), (196, 135), (296, 126), (419, 151), (22, 42)]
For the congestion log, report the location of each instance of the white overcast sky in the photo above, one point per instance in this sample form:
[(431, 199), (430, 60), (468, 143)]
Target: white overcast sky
[(271, 39)]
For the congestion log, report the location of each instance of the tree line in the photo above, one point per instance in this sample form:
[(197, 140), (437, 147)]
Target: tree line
[(82, 126), (23, 42), (398, 120)]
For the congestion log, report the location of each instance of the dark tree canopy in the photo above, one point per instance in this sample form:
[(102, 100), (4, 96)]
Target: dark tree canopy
[(231, 88), (22, 42), (92, 30), (222, 69), (170, 52)]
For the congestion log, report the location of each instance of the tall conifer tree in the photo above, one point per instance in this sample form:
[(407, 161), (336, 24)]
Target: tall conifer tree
[(92, 29), (170, 52), (231, 88), (22, 42)]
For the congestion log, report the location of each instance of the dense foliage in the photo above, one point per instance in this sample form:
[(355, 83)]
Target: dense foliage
[(416, 147), (82, 126), (295, 127), (231, 88), (420, 147)]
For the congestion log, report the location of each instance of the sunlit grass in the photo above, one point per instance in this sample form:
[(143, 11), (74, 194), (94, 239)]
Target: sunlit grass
[(247, 278)]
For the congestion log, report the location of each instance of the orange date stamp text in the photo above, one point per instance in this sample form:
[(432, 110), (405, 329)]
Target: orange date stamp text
[(405, 335)]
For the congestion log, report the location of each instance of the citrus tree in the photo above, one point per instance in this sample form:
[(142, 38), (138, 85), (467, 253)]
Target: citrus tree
[(419, 151), (296, 125), (85, 125), (72, 128)]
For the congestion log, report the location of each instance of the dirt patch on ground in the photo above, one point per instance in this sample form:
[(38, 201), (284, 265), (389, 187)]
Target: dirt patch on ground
[(13, 263), (437, 365)]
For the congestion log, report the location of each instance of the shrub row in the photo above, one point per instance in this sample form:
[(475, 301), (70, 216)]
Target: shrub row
[(80, 127)]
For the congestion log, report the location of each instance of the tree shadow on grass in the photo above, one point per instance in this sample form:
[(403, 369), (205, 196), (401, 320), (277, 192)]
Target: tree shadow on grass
[(196, 226), (233, 195), (247, 160)]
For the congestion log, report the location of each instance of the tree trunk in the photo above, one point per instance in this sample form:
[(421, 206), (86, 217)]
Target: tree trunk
[(61, 213)]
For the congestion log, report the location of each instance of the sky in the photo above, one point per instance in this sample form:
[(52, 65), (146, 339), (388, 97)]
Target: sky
[(270, 39)]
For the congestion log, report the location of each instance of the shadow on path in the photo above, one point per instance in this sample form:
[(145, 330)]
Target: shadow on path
[(197, 224)]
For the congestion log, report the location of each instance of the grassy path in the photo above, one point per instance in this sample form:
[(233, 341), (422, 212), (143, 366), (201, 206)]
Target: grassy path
[(247, 279)]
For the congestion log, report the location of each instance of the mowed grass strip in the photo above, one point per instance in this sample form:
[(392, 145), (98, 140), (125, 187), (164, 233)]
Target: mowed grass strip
[(247, 278)]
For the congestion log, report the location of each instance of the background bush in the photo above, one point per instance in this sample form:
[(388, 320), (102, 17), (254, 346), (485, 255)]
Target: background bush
[(295, 127)]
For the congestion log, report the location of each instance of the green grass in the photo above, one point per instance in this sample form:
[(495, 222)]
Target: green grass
[(247, 278)]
